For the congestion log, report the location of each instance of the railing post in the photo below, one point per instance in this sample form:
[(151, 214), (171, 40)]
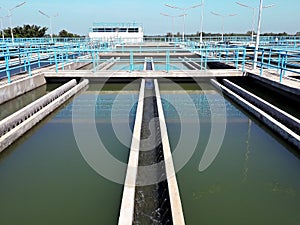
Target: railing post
[(97, 57), (205, 64), (55, 60), (285, 62), (201, 57), (281, 68), (7, 66), (253, 61), (269, 61), (131, 61), (29, 64), (39, 59), (279, 62), (244, 59), (167, 61), (262, 62), (237, 59), (19, 56), (93, 57), (62, 60)]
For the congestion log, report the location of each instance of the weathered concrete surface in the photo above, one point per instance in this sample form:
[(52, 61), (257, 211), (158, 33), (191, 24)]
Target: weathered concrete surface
[(283, 117), (175, 201), (127, 205), (21, 115), (143, 74), (265, 118), (22, 126), (109, 64), (19, 87)]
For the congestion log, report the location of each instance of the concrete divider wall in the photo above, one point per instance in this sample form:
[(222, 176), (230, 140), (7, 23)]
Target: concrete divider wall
[(278, 85), (76, 64), (280, 115), (24, 113), (127, 205), (23, 120), (265, 118), (19, 87), (175, 201), (108, 64)]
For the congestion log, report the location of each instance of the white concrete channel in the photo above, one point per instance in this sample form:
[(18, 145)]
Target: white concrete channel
[(267, 119), (14, 126), (126, 216), (283, 117), (127, 205)]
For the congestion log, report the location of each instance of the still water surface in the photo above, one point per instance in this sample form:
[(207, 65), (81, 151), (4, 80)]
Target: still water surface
[(254, 178), (44, 178)]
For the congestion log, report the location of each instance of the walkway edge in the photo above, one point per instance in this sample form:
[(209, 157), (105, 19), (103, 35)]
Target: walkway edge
[(175, 201), (127, 205)]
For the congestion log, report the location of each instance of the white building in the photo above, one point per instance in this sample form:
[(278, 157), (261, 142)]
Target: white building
[(120, 32)]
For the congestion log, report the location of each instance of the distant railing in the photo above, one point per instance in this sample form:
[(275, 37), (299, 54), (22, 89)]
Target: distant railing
[(28, 54), (242, 39)]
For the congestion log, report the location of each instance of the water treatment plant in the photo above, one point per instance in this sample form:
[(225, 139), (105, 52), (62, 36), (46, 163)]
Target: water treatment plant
[(119, 128)]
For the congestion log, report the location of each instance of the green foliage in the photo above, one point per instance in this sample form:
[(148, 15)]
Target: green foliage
[(64, 33), (34, 31), (248, 33), (27, 31)]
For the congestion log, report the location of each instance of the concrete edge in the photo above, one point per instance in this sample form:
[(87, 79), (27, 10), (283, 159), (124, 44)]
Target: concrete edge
[(265, 118), (145, 64), (127, 205), (21, 115), (12, 90), (101, 65), (143, 74), (187, 63), (109, 65), (175, 201), (275, 84), (292, 79), (152, 63), (14, 134), (280, 115)]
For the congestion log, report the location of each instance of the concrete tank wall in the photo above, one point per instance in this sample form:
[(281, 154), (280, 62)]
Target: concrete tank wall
[(22, 121), (19, 87)]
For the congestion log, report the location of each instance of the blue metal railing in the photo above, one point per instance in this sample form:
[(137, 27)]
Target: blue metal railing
[(27, 54)]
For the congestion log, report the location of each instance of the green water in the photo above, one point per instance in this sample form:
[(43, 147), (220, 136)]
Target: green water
[(44, 178), (254, 178)]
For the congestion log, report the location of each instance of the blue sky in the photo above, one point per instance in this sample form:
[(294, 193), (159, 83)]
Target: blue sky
[(78, 15)]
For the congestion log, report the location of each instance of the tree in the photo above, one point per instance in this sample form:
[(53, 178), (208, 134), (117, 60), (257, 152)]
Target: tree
[(169, 34), (64, 33), (27, 31)]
